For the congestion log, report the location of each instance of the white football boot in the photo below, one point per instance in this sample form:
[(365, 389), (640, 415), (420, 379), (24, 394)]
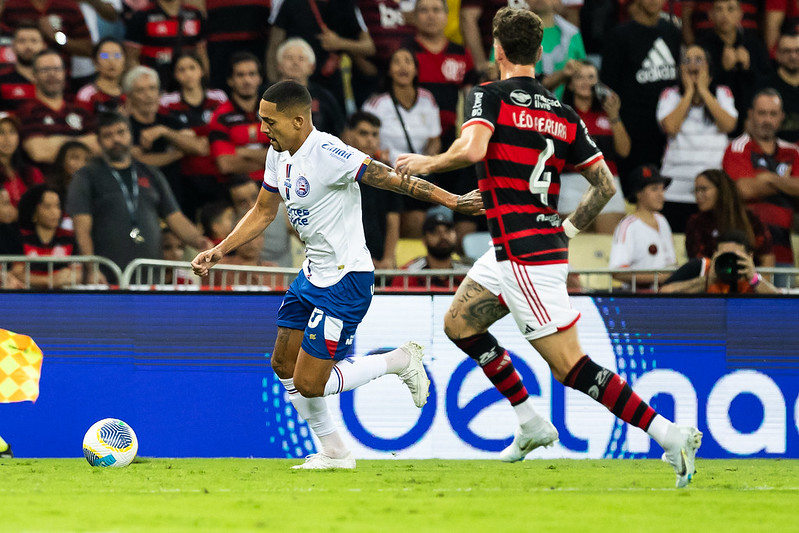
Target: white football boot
[(320, 461), (543, 433), (683, 456), (415, 376)]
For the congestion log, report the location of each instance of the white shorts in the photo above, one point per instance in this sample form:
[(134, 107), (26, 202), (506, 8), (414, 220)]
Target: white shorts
[(535, 295), (572, 189)]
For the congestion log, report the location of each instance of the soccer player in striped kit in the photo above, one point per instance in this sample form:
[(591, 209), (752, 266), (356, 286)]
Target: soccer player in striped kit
[(524, 136), (317, 176)]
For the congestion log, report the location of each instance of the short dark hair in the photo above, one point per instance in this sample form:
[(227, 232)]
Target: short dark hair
[(46, 52), (238, 179), (520, 33), (362, 116), (768, 91), (30, 201), (288, 94), (104, 41), (210, 213), (737, 236), (28, 25), (109, 118), (240, 57)]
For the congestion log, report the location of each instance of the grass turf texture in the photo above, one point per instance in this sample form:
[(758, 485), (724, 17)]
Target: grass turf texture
[(171, 495)]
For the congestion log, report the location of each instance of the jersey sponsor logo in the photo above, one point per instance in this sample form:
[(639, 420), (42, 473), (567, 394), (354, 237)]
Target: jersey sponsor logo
[(302, 187), (542, 102), (521, 98), (553, 219), (298, 217), (336, 150), (783, 169), (547, 125), (587, 135), (477, 106), (658, 65)]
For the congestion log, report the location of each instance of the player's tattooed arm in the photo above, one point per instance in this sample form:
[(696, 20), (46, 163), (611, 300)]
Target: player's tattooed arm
[(383, 177), (598, 194)]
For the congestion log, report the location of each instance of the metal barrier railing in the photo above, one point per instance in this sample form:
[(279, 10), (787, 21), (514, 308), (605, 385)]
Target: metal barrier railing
[(76, 276), (150, 274)]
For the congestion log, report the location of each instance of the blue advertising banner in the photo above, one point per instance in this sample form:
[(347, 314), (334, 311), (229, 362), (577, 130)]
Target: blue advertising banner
[(190, 373)]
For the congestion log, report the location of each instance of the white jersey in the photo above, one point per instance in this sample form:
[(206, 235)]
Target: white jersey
[(637, 245), (319, 185)]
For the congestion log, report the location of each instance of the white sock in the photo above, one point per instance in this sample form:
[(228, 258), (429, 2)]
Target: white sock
[(659, 430), (525, 412), (314, 412), (349, 374)]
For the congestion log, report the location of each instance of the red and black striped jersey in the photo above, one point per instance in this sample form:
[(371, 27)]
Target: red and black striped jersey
[(533, 137), (38, 119), (63, 15), (387, 27), (237, 20), (444, 74), (15, 90), (161, 37), (62, 245), (96, 101), (232, 127), (198, 118)]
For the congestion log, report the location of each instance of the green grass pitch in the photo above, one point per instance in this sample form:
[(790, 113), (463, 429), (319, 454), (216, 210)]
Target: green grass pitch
[(221, 495)]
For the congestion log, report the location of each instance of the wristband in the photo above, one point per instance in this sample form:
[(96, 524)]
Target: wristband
[(755, 280), (569, 229), (615, 120)]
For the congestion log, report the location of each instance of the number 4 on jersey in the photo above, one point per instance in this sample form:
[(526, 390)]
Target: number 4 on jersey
[(540, 180)]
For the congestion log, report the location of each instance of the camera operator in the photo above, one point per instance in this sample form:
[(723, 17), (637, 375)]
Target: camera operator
[(730, 271)]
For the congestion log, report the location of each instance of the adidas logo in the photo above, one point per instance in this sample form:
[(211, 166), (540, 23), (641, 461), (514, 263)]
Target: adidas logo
[(659, 64), (528, 329)]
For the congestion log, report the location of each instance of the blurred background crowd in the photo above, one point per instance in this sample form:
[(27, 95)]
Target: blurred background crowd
[(694, 103)]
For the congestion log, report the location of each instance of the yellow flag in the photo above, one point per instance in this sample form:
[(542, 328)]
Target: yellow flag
[(20, 368)]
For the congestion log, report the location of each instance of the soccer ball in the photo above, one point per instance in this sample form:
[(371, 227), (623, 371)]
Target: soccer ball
[(110, 442)]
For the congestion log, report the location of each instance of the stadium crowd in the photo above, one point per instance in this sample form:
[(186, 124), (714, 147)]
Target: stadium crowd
[(700, 96)]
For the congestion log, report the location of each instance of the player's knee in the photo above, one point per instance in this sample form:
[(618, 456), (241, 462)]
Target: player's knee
[(283, 368), (308, 388), (455, 328)]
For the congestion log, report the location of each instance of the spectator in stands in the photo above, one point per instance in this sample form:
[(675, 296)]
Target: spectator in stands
[(785, 79), (276, 249), (61, 22), (439, 240), (598, 107), (643, 240), (162, 30), (10, 240), (15, 174), (237, 142), (698, 19), (234, 26), (741, 58), (476, 19), (410, 124), (159, 140), (193, 106), (701, 275), (42, 236), (696, 116), (73, 156), (217, 220), (782, 18), (16, 83), (722, 209), (48, 121), (8, 212), (380, 209), (332, 28), (445, 69), (105, 92), (765, 170), (296, 62), (248, 254), (116, 202), (562, 45), (173, 249), (640, 61)]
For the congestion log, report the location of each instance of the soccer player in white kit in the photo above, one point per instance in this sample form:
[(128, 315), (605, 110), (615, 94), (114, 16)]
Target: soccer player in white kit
[(317, 177)]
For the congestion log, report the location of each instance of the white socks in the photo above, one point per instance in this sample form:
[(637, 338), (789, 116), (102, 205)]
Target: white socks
[(525, 412), (314, 412), (659, 430), (349, 374)]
